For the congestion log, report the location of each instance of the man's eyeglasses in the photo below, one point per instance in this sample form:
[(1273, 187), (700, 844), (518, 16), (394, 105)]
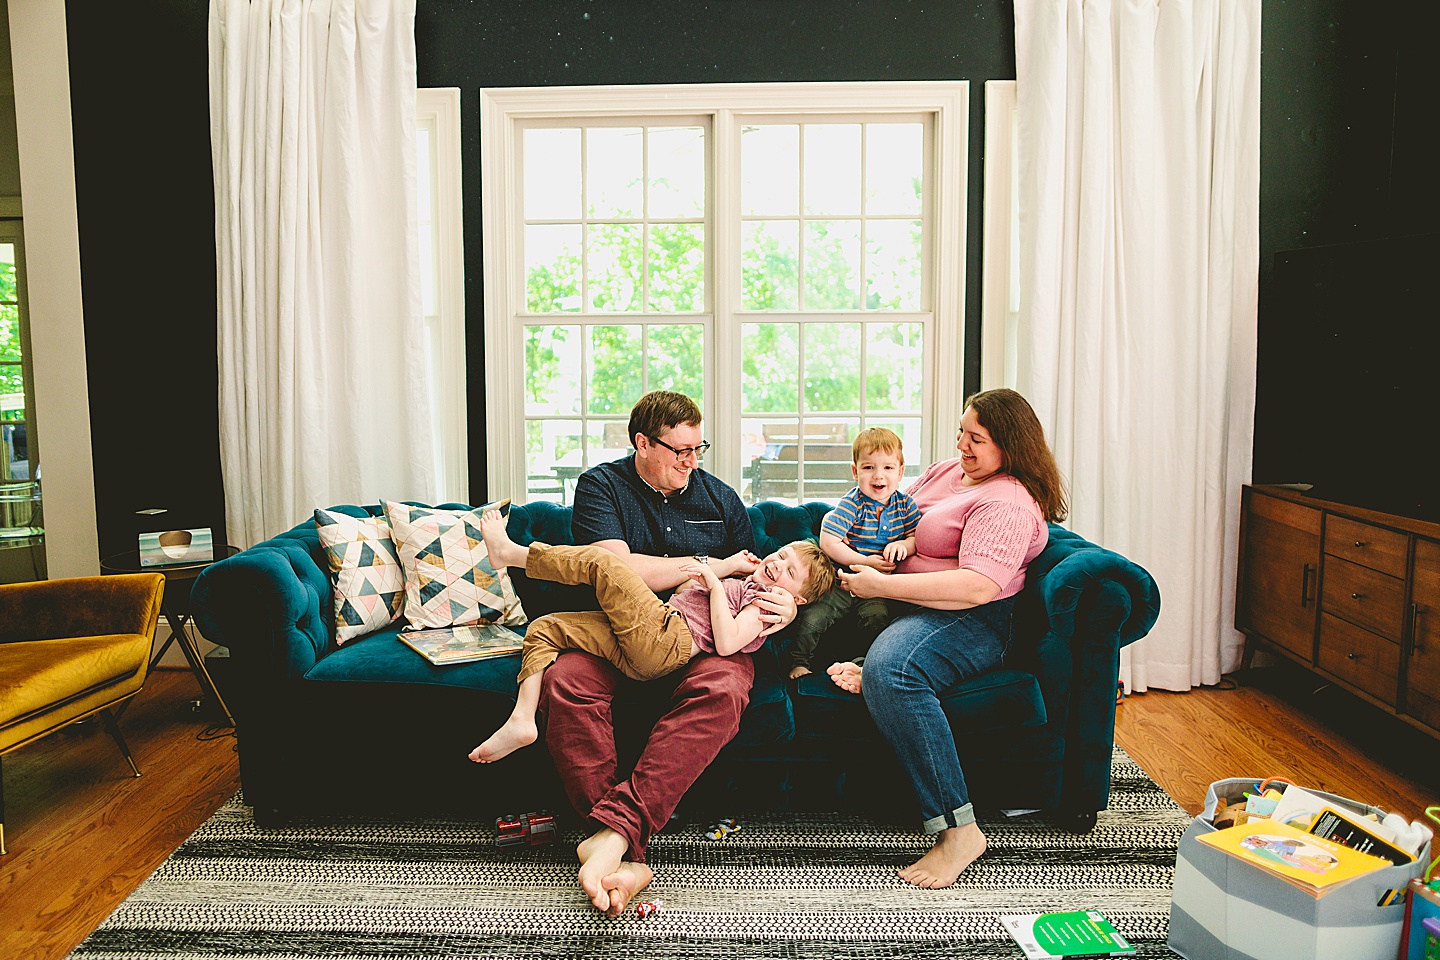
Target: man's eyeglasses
[(684, 453)]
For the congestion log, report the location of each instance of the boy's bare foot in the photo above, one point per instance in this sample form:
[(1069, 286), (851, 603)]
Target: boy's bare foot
[(797, 672), (846, 675), (955, 849), (503, 551), (624, 883), (516, 733), (600, 858)]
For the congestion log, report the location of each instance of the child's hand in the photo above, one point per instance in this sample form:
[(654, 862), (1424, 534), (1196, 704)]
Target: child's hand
[(797, 672), (742, 563), (700, 573), (896, 551)]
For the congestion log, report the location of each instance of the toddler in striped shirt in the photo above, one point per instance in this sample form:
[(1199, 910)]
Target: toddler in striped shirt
[(874, 524)]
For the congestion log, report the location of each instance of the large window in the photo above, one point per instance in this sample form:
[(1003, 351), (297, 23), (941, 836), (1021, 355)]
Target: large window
[(787, 255)]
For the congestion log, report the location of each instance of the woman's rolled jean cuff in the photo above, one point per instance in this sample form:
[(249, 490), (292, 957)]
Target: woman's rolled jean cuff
[(959, 817)]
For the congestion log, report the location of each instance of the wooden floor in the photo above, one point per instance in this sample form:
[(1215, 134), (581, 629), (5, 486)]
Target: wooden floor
[(82, 834)]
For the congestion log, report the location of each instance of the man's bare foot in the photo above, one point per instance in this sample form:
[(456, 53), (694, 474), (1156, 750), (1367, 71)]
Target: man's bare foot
[(516, 733), (800, 671), (955, 849), (624, 883), (503, 551), (600, 856), (846, 675)]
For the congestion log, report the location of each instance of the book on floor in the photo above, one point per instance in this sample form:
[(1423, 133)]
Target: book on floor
[(1312, 863), (464, 644), (1073, 933)]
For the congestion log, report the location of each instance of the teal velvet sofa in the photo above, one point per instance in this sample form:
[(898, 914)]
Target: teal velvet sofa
[(372, 724)]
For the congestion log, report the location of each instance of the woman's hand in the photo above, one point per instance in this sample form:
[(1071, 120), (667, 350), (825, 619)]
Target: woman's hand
[(864, 582), (739, 564), (777, 607), (876, 561)]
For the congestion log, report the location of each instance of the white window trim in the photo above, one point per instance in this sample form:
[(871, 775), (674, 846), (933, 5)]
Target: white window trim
[(502, 109), (998, 335), (441, 105)]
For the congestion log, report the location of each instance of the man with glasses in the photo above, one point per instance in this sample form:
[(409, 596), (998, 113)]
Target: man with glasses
[(656, 509)]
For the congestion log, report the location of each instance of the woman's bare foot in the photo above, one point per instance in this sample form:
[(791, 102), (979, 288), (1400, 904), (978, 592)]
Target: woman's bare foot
[(516, 733), (624, 883), (955, 849), (846, 675), (600, 856), (503, 551), (797, 672)]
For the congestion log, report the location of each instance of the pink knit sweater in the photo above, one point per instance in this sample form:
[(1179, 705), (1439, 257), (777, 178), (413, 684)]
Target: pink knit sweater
[(994, 528)]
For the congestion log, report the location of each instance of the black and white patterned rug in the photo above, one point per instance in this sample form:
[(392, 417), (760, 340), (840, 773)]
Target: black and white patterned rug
[(784, 886)]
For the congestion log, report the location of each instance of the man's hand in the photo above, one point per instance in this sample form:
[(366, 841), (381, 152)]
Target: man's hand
[(777, 607), (701, 573), (739, 564), (864, 582), (896, 551)]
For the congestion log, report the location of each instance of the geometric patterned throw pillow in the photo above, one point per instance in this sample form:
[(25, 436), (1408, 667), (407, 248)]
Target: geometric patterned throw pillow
[(449, 578), (365, 569)]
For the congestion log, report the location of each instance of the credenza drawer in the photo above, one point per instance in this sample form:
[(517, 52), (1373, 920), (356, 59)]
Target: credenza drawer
[(1370, 546), (1359, 657), (1364, 597), (1284, 512)]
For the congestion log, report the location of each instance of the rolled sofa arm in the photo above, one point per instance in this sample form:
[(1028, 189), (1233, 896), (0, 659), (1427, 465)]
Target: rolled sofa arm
[(270, 604), (1095, 602)]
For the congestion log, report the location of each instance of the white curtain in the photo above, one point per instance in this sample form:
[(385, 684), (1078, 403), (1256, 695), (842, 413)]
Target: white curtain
[(1139, 144), (323, 395)]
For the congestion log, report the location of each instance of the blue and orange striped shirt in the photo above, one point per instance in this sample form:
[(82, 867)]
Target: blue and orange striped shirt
[(868, 525)]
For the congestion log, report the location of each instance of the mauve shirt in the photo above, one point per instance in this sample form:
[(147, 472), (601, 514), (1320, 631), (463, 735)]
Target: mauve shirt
[(994, 528), (694, 606)]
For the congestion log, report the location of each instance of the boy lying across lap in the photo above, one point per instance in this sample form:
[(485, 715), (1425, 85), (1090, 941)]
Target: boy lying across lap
[(874, 525), (643, 637)]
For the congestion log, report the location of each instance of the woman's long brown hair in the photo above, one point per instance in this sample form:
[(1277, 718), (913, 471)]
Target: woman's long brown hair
[(1012, 424)]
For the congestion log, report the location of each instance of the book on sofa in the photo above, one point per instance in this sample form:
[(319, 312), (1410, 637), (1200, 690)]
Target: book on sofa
[(465, 644)]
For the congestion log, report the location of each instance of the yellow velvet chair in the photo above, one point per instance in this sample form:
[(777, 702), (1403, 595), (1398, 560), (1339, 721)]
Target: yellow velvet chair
[(71, 648)]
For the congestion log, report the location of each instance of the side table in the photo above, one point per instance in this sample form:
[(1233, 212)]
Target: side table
[(175, 604)]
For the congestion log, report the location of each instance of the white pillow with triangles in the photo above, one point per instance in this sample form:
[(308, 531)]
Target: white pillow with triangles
[(449, 579), (365, 570)]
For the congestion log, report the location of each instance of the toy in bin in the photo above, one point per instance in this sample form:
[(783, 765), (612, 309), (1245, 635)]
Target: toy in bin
[(525, 830)]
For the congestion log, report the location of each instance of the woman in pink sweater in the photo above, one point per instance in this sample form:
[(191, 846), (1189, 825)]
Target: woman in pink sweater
[(983, 519)]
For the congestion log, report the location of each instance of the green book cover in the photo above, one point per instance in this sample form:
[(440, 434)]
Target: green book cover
[(1074, 933)]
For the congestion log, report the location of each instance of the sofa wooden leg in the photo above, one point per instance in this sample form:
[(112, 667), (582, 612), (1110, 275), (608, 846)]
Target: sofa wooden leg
[(112, 726), (1082, 822)]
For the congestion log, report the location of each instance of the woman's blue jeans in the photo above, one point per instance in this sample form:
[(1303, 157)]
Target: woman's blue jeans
[(908, 666)]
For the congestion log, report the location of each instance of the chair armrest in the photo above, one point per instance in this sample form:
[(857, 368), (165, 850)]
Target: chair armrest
[(81, 607)]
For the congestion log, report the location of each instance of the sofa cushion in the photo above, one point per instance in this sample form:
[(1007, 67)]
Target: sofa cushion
[(381, 657), (999, 700), (365, 569), (449, 578)]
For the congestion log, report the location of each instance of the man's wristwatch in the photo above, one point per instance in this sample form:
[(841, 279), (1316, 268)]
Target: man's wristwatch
[(703, 558)]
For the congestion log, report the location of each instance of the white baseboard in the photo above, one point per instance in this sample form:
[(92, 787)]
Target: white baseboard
[(173, 657)]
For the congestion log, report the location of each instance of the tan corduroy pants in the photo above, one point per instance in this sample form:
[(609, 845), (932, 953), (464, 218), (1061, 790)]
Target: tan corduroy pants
[(633, 630)]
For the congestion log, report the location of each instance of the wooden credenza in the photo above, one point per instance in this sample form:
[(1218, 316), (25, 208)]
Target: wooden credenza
[(1351, 593)]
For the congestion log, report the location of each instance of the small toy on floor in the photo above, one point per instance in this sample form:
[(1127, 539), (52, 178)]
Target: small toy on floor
[(648, 908), (722, 829), (527, 829)]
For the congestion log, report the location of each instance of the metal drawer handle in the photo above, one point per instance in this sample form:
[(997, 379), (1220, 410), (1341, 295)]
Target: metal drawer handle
[(1305, 586), (1352, 656), (1415, 611), (1357, 596), (1359, 543)]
